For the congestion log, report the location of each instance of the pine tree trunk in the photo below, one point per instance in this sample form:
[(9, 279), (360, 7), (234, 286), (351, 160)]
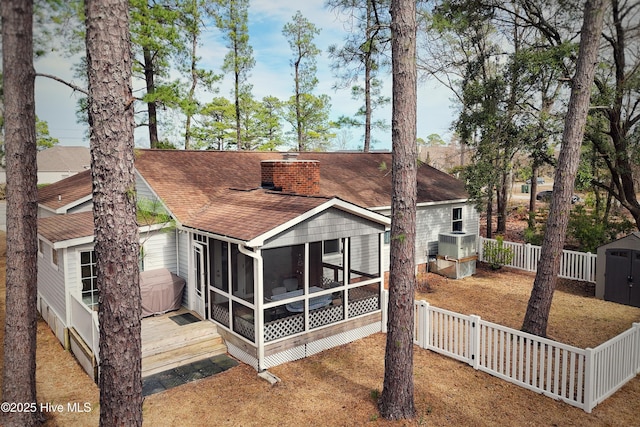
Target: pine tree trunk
[(152, 112), (19, 372), (396, 401), (537, 315), (114, 210)]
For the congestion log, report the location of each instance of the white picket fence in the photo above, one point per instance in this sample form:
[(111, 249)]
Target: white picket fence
[(573, 265), (579, 377)]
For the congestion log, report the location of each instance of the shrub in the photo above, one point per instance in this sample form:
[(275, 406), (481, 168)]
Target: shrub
[(496, 254), (589, 231)]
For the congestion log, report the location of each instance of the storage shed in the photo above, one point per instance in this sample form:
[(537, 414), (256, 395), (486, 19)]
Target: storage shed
[(618, 271)]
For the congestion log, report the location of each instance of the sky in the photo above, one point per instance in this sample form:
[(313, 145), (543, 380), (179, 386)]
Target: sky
[(56, 103)]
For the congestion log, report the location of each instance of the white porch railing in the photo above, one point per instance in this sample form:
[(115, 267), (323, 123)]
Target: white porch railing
[(579, 377), (85, 321), (573, 265)]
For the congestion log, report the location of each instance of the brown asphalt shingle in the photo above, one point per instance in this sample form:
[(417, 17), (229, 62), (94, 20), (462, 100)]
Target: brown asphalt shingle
[(61, 193), (219, 191), (59, 228)]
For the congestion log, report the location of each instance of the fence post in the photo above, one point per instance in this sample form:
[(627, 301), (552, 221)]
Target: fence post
[(474, 341), (481, 248), (527, 257), (385, 310), (636, 347), (426, 333), (589, 380)]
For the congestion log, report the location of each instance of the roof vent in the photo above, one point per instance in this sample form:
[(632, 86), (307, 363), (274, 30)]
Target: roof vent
[(290, 156)]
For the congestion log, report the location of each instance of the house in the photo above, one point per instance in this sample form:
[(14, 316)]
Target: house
[(59, 162), (286, 254)]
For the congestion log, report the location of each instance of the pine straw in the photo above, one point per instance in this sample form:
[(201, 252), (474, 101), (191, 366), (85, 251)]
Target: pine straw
[(338, 387)]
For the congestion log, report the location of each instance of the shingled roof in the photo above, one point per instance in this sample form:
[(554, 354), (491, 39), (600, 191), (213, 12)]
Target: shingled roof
[(219, 191), (360, 178), (59, 228), (66, 192)]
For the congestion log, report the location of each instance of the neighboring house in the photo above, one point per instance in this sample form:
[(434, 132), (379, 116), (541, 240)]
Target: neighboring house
[(59, 162), (285, 253)]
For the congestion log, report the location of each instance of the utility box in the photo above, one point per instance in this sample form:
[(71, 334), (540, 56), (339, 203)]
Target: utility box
[(457, 244), (456, 255)]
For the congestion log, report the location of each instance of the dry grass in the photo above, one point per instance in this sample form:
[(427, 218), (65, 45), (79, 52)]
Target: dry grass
[(336, 387)]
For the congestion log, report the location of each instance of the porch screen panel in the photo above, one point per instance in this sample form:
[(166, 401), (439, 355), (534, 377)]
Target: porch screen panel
[(244, 321), (241, 274), (332, 313), (364, 299), (363, 258), (283, 270), (219, 255), (333, 261), (219, 306)]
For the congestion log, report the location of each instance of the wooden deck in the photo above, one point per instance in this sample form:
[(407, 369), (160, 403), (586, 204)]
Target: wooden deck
[(167, 345)]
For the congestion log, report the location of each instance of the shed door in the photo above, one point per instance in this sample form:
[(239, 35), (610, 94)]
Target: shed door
[(634, 290), (622, 278)]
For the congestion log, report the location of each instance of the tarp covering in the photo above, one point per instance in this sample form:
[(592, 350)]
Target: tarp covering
[(161, 291)]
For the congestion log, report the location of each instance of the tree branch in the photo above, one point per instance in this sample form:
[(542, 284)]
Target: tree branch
[(64, 82)]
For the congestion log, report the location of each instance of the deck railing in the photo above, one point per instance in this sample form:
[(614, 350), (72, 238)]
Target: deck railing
[(573, 265), (579, 377), (85, 322)]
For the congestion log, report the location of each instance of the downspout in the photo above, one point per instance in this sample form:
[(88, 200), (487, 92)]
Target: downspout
[(258, 291)]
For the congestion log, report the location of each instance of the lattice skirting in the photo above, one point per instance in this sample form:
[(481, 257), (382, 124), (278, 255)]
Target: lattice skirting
[(314, 347), (220, 314), (242, 356), (363, 306), (244, 327)]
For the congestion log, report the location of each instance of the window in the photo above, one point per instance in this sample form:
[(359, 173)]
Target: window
[(40, 247), (331, 247), (456, 219), (387, 237), (88, 278), (54, 257)]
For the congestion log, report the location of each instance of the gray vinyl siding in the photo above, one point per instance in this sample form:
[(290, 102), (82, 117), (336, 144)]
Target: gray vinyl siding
[(327, 225), (159, 250), (146, 195), (51, 281), (430, 222)]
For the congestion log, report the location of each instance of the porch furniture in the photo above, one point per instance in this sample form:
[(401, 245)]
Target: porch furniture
[(290, 284), (298, 306), (160, 291)]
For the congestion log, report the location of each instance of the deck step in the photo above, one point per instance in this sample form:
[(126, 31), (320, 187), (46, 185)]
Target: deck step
[(183, 355), (179, 337)]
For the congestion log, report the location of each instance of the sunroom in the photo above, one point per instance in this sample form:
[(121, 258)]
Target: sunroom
[(305, 286)]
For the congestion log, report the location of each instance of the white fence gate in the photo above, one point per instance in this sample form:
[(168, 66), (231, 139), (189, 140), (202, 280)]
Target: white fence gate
[(579, 377), (573, 265)]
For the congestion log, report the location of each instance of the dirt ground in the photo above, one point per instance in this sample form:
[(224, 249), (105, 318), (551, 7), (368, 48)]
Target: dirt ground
[(338, 387)]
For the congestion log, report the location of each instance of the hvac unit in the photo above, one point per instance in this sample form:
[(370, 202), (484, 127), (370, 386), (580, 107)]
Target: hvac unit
[(456, 245), (456, 255)]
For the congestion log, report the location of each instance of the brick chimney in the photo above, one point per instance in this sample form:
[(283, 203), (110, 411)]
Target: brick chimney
[(291, 175)]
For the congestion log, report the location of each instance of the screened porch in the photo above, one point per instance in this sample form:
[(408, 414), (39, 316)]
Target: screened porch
[(299, 289)]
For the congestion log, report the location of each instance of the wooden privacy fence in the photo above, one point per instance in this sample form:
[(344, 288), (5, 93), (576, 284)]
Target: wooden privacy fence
[(579, 377), (573, 265)]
